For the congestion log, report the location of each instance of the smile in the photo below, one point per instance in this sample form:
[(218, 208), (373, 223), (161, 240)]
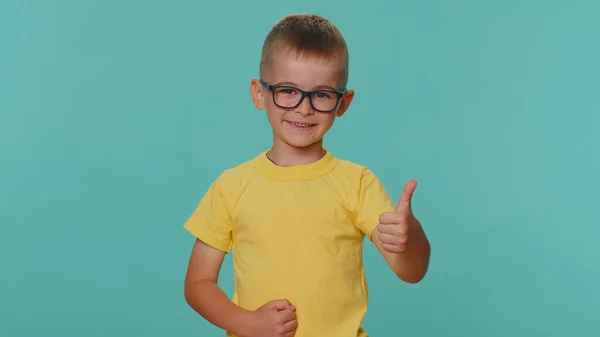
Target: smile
[(301, 125)]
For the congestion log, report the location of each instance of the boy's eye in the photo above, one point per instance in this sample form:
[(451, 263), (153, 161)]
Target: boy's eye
[(323, 95), (288, 91)]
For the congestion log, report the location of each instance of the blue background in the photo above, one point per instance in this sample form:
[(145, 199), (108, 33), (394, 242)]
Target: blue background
[(115, 116)]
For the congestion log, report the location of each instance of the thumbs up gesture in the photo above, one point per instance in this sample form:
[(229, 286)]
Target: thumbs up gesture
[(395, 227)]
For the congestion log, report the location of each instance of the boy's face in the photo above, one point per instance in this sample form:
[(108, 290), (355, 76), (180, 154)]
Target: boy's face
[(303, 126)]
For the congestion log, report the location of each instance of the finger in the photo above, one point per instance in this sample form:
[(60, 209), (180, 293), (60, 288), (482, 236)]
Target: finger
[(287, 315), (283, 305), (385, 229), (386, 238), (393, 239), (290, 326), (404, 204), (399, 228), (390, 218), (394, 248)]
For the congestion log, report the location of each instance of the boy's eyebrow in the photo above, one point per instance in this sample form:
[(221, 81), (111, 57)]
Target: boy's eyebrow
[(328, 87)]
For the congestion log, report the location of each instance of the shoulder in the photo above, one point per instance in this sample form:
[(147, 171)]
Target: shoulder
[(351, 166), (236, 172), (235, 177), (359, 177), (354, 171)]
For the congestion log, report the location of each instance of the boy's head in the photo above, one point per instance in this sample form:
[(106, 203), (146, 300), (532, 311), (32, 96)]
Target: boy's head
[(305, 36), (307, 53)]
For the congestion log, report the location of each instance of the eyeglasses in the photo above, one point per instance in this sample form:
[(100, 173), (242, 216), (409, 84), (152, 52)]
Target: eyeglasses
[(288, 97)]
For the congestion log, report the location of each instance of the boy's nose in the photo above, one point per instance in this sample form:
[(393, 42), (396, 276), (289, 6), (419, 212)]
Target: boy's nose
[(305, 109)]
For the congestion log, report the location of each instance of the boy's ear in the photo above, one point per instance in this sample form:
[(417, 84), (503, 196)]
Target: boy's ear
[(257, 93), (345, 103)]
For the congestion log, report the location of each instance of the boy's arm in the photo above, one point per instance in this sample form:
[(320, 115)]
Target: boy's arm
[(401, 240), (203, 294)]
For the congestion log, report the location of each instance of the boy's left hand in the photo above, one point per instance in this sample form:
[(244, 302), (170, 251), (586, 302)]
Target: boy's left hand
[(395, 227)]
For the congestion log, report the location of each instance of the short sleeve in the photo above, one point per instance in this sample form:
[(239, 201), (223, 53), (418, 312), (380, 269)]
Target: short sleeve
[(211, 220), (373, 200)]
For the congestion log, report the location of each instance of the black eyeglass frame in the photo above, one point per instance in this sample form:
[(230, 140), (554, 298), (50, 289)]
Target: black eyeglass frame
[(272, 88)]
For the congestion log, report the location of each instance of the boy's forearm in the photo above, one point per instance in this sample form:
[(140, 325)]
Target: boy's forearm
[(206, 298), (412, 264)]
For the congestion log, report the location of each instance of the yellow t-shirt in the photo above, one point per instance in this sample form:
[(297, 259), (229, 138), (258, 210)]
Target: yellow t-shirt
[(296, 233)]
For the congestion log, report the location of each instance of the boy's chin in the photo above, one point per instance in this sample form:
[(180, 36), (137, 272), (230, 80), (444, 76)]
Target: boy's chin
[(301, 143), (298, 141), (304, 144)]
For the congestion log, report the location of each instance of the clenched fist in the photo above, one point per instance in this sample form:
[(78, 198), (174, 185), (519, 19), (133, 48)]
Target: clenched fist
[(274, 319), (395, 227)]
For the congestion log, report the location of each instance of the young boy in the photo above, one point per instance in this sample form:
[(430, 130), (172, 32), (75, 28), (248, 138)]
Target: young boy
[(295, 216)]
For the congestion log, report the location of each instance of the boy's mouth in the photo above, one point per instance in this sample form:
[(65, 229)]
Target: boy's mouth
[(300, 125)]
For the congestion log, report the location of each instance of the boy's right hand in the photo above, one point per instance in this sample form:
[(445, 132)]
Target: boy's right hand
[(274, 319)]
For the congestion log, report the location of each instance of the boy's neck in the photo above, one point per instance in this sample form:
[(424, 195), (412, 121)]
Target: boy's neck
[(287, 155)]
